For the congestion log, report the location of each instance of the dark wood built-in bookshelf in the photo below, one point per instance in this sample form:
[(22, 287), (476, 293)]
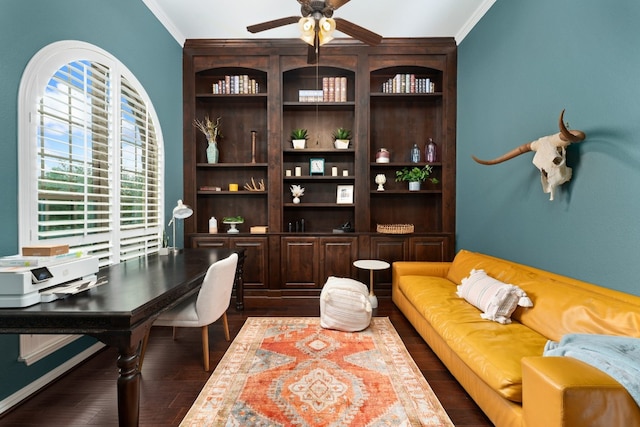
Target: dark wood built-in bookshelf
[(283, 263)]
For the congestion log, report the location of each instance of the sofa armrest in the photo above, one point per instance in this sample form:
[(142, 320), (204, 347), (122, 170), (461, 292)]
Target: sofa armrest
[(562, 391), (420, 268)]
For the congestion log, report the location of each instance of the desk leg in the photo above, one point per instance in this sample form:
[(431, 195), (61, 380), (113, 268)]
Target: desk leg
[(128, 345), (128, 387), (372, 297)]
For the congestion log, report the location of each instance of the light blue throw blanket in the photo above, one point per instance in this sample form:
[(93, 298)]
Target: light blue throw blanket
[(617, 356)]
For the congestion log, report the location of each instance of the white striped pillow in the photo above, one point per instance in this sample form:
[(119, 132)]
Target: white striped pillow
[(496, 299)]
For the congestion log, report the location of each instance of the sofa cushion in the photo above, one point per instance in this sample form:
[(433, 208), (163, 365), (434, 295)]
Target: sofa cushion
[(556, 311), (465, 261), (496, 299), (493, 351)]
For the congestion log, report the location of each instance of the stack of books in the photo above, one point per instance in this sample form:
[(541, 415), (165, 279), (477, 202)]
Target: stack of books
[(309, 95), (40, 256)]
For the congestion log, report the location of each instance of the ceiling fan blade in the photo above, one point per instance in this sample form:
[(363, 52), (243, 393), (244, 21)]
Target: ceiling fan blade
[(273, 24), (335, 4), (358, 32)]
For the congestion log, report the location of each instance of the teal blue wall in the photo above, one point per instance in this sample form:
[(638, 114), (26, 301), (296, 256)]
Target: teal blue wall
[(518, 68), (130, 32)]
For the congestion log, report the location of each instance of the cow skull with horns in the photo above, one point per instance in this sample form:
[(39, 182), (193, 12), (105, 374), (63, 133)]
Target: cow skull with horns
[(550, 157)]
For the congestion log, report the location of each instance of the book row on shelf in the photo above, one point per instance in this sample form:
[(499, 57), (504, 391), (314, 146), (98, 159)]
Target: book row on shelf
[(236, 85), (408, 83), (334, 89)]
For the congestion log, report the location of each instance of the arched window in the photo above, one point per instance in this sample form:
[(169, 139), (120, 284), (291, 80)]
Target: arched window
[(91, 155)]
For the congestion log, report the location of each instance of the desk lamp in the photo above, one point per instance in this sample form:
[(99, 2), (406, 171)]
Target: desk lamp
[(181, 211)]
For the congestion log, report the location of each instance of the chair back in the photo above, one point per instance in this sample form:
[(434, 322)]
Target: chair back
[(215, 293)]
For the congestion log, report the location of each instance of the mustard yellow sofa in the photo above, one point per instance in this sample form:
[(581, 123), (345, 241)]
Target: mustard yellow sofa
[(502, 366)]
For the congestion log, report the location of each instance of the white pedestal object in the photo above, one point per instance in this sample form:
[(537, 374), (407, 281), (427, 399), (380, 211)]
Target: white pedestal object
[(371, 265)]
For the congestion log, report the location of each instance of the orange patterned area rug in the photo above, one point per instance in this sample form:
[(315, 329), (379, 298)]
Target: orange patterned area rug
[(289, 371)]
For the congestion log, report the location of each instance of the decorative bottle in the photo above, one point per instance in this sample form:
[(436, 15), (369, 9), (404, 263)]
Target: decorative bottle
[(431, 151), (415, 154)]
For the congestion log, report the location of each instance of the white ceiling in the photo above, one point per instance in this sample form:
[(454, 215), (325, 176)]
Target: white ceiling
[(194, 19)]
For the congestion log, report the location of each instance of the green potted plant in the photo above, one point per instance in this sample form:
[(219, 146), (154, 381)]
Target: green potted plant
[(341, 138), (414, 176), (299, 138)]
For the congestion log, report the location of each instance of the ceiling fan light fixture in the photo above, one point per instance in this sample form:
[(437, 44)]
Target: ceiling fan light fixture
[(317, 26), (326, 29), (307, 29)]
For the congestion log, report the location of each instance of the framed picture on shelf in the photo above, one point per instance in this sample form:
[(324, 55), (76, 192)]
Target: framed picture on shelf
[(344, 195)]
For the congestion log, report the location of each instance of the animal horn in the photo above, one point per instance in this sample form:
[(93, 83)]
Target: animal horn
[(524, 148), (569, 135)]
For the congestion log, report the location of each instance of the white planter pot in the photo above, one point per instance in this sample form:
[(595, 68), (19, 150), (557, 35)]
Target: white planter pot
[(414, 186), (341, 144), (298, 144)]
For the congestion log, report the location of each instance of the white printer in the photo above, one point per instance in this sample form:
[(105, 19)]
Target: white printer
[(22, 286)]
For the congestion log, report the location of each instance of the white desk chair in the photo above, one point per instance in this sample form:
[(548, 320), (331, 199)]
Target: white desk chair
[(203, 308)]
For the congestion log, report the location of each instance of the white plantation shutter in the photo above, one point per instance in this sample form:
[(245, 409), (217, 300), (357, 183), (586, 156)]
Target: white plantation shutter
[(95, 150), (74, 156), (139, 175)]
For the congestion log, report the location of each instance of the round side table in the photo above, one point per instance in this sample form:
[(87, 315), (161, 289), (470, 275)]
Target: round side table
[(371, 265)]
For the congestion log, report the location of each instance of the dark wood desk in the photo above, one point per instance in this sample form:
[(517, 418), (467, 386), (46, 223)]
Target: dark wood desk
[(120, 312)]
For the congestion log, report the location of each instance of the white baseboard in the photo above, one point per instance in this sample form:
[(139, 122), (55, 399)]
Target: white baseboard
[(27, 391), (37, 347)]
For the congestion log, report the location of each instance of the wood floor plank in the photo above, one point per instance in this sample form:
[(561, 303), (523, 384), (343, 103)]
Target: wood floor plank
[(173, 375)]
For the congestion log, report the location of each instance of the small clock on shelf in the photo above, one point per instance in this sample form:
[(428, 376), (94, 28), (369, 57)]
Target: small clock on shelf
[(316, 166)]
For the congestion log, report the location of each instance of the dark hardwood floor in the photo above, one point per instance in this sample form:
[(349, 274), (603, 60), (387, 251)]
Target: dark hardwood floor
[(173, 375)]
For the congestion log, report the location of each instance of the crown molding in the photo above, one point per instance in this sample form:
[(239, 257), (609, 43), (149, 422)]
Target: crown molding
[(165, 21), (473, 20)]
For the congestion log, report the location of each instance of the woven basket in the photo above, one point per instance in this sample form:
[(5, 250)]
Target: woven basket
[(395, 228)]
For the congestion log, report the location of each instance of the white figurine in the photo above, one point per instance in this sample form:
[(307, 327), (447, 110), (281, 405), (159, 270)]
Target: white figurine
[(380, 180)]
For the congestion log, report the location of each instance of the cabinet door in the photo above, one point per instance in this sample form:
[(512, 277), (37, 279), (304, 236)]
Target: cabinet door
[(388, 249), (425, 248), (256, 266), (299, 262), (336, 257)]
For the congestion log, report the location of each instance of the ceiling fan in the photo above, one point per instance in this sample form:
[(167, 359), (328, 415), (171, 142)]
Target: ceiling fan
[(317, 25)]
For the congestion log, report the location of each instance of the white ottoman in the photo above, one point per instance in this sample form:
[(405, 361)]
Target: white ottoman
[(344, 305)]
